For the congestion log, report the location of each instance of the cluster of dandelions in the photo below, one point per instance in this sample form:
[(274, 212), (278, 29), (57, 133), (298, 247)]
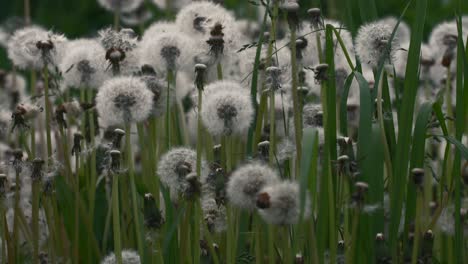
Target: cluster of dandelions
[(145, 85)]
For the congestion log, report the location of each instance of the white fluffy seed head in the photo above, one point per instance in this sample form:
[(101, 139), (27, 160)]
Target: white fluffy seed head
[(122, 100), (173, 168), (245, 183), (124, 6), (284, 203), (124, 41), (128, 257), (158, 28), (196, 18), (167, 51), (403, 33), (174, 4), (371, 44), (24, 52), (443, 37), (84, 65), (214, 215), (228, 110)]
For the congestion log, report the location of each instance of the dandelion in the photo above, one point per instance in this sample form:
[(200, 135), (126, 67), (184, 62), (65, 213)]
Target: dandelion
[(33, 48), (123, 100), (14, 87), (167, 52), (84, 65), (279, 203), (245, 183), (371, 44), (273, 78), (138, 17), (124, 6), (159, 90), (228, 109), (174, 4), (443, 41), (153, 215), (128, 257), (158, 28), (214, 215), (119, 50), (174, 167)]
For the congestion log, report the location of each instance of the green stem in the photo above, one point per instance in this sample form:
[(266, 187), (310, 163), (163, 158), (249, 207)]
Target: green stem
[(48, 117), (417, 228), (219, 70), (117, 19), (35, 219), (296, 103), (131, 172), (387, 156), (272, 128), (33, 130), (116, 219), (170, 77), (92, 166)]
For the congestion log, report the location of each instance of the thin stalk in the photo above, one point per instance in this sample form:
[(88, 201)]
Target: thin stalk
[(352, 250), (219, 70), (296, 102), (48, 117), (92, 166), (116, 219), (33, 93), (27, 12), (131, 172), (417, 231), (77, 214), (35, 219), (117, 19), (271, 245), (272, 128), (387, 155), (16, 217), (170, 77), (197, 209)]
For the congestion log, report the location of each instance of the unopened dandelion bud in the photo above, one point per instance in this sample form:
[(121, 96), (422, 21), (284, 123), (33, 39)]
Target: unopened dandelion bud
[(17, 160), (418, 176), (292, 10), (427, 246), (117, 138), (263, 149), (299, 259), (301, 45), (37, 169), (152, 215), (76, 148), (200, 75), (115, 160), (361, 190), (321, 73), (217, 152), (273, 78), (315, 18), (3, 185), (148, 70), (263, 200)]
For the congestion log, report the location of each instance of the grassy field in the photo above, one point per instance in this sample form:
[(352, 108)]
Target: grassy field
[(243, 132)]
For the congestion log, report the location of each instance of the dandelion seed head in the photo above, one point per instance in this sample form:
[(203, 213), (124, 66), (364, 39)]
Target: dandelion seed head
[(158, 28), (124, 6), (137, 17), (403, 32), (312, 115), (174, 4), (174, 167), (122, 100), (196, 18), (283, 203), (14, 85), (371, 44), (168, 51), (128, 257), (245, 183), (84, 65), (27, 48), (228, 110)]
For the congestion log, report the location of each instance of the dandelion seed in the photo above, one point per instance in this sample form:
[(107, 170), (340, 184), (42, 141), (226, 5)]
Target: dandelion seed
[(273, 78), (245, 183), (158, 28), (374, 44), (120, 47), (281, 205), (123, 100), (214, 215)]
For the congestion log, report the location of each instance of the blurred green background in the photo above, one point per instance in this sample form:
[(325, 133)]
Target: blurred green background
[(78, 18)]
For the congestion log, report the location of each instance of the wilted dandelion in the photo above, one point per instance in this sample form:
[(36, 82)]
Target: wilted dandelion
[(119, 50)]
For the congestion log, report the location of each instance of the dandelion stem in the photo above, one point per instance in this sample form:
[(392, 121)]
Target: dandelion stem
[(48, 117), (296, 103), (32, 130), (417, 226), (387, 154), (116, 219), (130, 167), (35, 219)]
